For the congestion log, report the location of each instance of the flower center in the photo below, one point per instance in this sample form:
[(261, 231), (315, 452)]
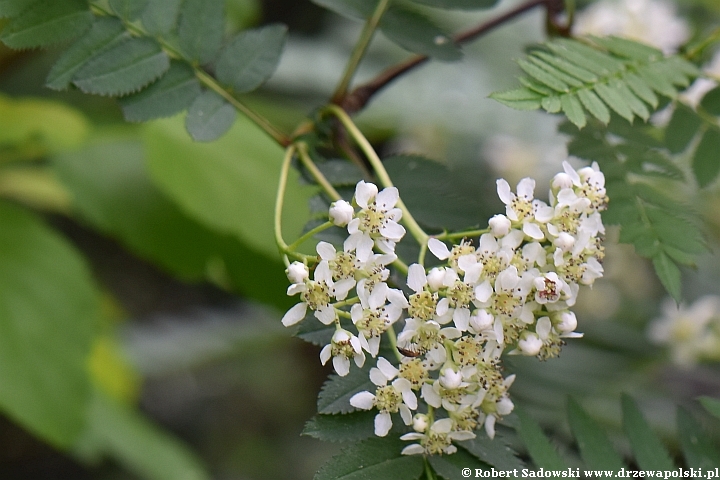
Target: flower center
[(372, 323), (387, 399), (342, 348), (522, 207), (467, 351), (317, 295), (422, 305), (505, 302), (460, 294), (344, 265), (372, 219), (414, 372)]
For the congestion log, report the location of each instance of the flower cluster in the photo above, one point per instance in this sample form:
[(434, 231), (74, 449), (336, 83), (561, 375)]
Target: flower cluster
[(512, 292), (692, 333)]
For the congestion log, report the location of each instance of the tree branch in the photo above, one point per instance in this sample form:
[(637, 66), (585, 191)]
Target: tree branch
[(362, 94)]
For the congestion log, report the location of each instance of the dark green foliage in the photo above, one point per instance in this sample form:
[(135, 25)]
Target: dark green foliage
[(251, 57), (45, 23), (697, 447), (49, 307), (124, 68), (12, 8), (597, 75), (373, 459), (649, 451), (539, 447), (336, 392), (350, 427), (652, 219), (712, 405), (682, 128), (129, 9), (104, 34), (161, 16), (209, 117), (492, 451), (706, 160), (711, 102), (173, 93), (448, 466), (201, 28), (459, 4)]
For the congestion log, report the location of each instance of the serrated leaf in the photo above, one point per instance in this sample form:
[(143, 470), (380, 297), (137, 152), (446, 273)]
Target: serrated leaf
[(350, 427), (543, 76), (48, 311), (520, 99), (448, 466), (612, 97), (696, 445), (555, 72), (711, 102), (349, 8), (173, 93), (124, 68), (251, 57), (340, 173), (669, 275), (104, 34), (629, 48), (650, 454), (657, 81), (712, 405), (539, 447), (313, 331), (129, 9), (12, 8), (706, 160), (573, 110), (45, 23), (335, 395), (160, 17), (595, 449), (209, 117), (641, 89), (459, 4), (682, 128), (373, 459), (585, 56), (636, 106), (228, 185), (415, 32), (594, 105), (492, 451), (551, 104), (201, 29)]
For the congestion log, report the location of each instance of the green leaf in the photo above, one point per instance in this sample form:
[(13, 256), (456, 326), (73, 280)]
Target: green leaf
[(161, 17), (459, 4), (373, 459), (706, 160), (45, 23), (415, 32), (116, 430), (129, 9), (519, 99), (448, 466), (492, 451), (543, 76), (315, 332), (682, 128), (629, 48), (641, 89), (539, 447), (595, 448), (112, 190), (251, 57), (657, 81), (229, 184), (124, 68), (201, 28), (594, 105), (711, 102), (669, 275), (335, 395), (173, 93), (350, 427), (611, 95), (650, 453), (696, 445), (712, 405), (349, 8), (340, 173), (48, 310), (12, 8), (551, 104), (573, 110), (567, 67), (209, 117), (104, 34)]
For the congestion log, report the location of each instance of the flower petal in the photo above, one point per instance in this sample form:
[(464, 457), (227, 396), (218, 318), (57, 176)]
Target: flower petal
[(383, 424), (416, 278), (438, 248), (504, 192), (363, 400), (295, 314), (364, 192)]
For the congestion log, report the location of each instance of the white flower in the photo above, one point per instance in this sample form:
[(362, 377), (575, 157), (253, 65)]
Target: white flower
[(297, 272), (460, 293), (436, 440), (530, 344), (376, 223), (523, 208), (396, 397), (343, 346), (341, 213), (550, 288), (499, 225), (373, 315), (566, 322)]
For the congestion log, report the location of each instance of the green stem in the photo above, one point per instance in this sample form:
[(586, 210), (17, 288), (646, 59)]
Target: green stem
[(467, 233), (429, 472), (421, 255), (308, 235), (697, 48), (279, 200), (316, 173), (346, 302), (407, 218), (359, 51), (282, 139), (392, 338), (401, 266)]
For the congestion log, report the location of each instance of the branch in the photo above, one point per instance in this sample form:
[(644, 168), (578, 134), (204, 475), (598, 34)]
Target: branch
[(361, 95)]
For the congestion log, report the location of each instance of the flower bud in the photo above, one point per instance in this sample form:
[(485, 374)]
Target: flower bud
[(564, 241), (435, 278), (530, 345), (341, 212), (566, 322), (499, 225), (450, 379), (420, 422), (562, 180), (297, 272), (481, 321)]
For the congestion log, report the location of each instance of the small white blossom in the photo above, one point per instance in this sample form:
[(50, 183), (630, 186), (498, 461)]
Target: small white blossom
[(341, 213), (343, 347), (297, 272)]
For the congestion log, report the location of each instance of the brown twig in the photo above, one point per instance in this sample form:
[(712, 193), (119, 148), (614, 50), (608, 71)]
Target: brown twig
[(362, 94)]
